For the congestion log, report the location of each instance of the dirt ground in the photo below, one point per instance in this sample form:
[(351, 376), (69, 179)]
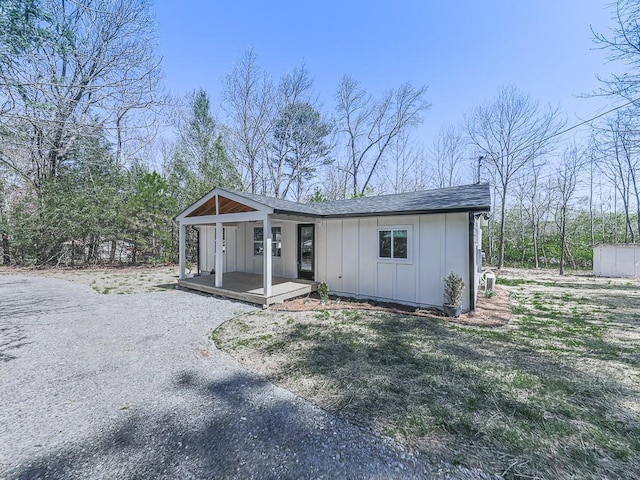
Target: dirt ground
[(122, 280), (114, 280), (490, 312)]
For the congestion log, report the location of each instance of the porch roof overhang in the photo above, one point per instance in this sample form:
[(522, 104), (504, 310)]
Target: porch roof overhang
[(222, 206)]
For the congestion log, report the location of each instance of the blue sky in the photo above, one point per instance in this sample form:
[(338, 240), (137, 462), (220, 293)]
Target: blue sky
[(463, 50)]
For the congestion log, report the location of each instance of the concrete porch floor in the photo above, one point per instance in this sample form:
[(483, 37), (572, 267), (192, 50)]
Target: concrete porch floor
[(248, 287)]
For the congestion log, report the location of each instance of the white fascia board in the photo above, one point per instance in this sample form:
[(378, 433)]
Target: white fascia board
[(227, 217), (279, 217)]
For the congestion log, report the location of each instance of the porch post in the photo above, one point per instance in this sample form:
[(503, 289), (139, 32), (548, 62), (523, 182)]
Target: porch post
[(218, 263), (266, 252), (182, 243)]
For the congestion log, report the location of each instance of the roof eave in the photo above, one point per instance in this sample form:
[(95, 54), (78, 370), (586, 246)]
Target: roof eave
[(298, 213), (408, 212)]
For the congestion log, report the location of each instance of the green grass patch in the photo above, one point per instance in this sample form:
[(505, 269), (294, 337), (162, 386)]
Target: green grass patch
[(551, 395), (512, 282)]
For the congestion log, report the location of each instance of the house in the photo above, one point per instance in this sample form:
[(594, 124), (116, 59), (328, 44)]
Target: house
[(393, 248)]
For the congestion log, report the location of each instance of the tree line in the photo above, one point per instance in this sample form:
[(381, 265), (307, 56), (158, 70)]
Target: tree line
[(96, 159)]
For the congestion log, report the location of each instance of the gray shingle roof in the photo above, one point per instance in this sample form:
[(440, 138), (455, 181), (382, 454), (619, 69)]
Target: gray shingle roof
[(280, 205), (465, 198)]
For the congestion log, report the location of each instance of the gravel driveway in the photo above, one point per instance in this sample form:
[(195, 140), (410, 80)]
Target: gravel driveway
[(129, 386)]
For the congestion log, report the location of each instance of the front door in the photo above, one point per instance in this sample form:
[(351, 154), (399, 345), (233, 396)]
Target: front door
[(306, 252)]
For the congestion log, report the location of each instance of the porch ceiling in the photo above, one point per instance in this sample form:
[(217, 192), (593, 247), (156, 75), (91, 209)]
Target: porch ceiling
[(226, 205)]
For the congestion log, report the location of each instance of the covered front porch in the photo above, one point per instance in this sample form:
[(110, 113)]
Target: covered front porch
[(248, 287), (249, 249)]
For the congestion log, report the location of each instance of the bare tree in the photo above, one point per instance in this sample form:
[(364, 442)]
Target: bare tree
[(369, 126), (449, 153), (623, 45), (511, 131), (617, 146), (565, 187), (335, 183), (248, 101), (93, 66), (407, 168), (535, 201)]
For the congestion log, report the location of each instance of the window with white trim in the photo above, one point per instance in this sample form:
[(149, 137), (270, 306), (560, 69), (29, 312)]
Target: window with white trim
[(276, 241), (393, 243)]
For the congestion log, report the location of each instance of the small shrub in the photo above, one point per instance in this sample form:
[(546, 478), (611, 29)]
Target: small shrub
[(323, 291), (489, 293), (453, 288)]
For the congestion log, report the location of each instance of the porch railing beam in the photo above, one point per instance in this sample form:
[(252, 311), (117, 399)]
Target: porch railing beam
[(225, 217)]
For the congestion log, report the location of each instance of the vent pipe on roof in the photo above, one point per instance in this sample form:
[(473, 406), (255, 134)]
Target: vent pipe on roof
[(479, 165)]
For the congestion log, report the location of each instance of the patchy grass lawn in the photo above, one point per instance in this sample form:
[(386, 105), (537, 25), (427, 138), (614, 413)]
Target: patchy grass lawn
[(555, 394)]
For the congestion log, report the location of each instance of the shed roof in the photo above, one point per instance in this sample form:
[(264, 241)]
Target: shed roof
[(463, 198)]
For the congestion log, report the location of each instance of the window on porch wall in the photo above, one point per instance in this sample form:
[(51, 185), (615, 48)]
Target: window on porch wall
[(276, 243)]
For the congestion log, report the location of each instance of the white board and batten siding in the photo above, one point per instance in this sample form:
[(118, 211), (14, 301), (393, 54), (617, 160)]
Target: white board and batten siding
[(616, 260), (207, 253), (239, 255), (347, 257)]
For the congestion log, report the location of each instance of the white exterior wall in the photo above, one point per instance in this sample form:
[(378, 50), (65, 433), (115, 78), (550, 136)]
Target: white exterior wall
[(284, 266), (616, 260), (347, 256), (347, 252), (207, 252), (207, 245)]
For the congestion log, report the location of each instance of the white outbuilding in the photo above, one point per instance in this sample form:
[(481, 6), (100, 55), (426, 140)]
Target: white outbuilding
[(616, 260), (391, 248)]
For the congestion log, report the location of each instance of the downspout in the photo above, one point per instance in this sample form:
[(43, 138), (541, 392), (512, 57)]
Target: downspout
[(472, 263)]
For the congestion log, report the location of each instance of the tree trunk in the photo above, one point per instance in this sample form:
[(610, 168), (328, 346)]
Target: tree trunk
[(112, 253), (627, 211), (563, 240), (6, 250), (591, 226), (523, 239), (502, 229), (614, 230), (534, 238), (492, 241)]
